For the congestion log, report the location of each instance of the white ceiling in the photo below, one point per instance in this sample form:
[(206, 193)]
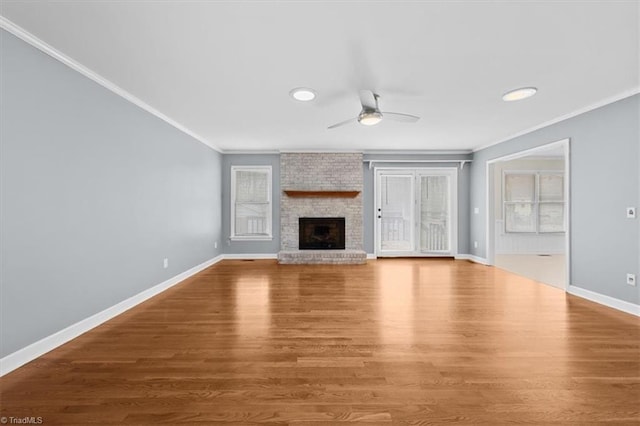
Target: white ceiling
[(224, 69)]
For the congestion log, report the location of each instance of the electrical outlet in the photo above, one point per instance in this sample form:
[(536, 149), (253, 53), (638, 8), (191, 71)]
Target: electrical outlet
[(165, 263), (215, 245), (475, 244), (476, 210), (631, 212), (631, 279)]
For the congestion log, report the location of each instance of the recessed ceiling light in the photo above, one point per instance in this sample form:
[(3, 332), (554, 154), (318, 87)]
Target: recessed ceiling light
[(519, 94), (303, 94)]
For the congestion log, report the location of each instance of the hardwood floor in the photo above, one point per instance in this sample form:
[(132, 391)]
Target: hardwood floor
[(405, 341)]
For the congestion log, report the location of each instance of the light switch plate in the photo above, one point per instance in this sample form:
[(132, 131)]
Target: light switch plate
[(631, 212)]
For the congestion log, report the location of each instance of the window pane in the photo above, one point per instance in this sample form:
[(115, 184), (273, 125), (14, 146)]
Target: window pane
[(434, 213), (397, 213), (252, 186), (551, 217), (520, 217), (519, 187), (251, 209), (551, 188), (251, 218)]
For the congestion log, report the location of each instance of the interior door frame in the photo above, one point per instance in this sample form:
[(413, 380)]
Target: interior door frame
[(565, 144), (416, 172)]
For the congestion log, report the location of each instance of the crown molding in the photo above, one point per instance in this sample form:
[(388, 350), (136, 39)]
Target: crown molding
[(250, 151), (417, 152), (318, 151), (34, 41), (364, 152), (596, 105)]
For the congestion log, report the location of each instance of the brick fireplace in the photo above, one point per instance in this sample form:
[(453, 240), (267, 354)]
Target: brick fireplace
[(321, 185)]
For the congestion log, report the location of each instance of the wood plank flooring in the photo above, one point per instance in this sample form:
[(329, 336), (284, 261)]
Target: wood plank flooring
[(403, 341)]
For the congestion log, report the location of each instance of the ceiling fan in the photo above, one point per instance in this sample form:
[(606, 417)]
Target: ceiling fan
[(371, 114)]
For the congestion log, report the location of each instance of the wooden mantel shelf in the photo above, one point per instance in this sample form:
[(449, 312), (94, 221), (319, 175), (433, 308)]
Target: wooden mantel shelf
[(326, 194)]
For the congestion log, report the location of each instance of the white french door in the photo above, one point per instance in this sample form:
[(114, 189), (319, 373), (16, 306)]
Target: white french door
[(416, 212), (395, 212)]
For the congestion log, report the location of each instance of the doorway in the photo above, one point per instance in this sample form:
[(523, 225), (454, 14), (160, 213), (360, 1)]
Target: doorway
[(416, 212), (528, 213)]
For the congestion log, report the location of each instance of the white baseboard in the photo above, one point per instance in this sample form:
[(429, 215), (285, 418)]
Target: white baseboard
[(250, 256), (612, 302), (372, 256), (531, 252), (472, 258), (41, 347)]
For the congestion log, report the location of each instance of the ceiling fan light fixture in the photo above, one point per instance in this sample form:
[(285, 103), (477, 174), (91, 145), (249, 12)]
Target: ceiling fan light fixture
[(303, 94), (519, 94), (370, 118)]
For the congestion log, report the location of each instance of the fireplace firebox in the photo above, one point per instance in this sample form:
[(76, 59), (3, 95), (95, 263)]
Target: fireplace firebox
[(321, 233)]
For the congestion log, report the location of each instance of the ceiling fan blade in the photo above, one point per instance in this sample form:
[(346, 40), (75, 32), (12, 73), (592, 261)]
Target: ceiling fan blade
[(368, 99), (398, 116), (342, 123)]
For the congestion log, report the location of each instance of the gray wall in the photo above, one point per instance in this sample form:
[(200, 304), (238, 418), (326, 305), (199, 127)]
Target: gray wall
[(272, 247), (605, 178), (95, 193), (250, 247), (369, 195)]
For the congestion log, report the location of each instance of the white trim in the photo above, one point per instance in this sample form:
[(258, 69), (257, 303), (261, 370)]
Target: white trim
[(545, 157), (611, 302), (566, 143), (318, 151), (26, 36), (364, 152), (472, 258), (415, 173), (461, 163), (595, 105), (250, 151), (372, 256), (268, 236), (527, 152), (252, 238), (417, 152), (250, 256), (416, 255), (489, 190), (42, 346)]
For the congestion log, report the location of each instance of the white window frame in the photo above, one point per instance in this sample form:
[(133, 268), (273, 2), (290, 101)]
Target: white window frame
[(268, 236), (536, 200)]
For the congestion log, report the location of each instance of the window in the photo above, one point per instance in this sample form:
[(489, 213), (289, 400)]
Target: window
[(251, 203), (533, 202)]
